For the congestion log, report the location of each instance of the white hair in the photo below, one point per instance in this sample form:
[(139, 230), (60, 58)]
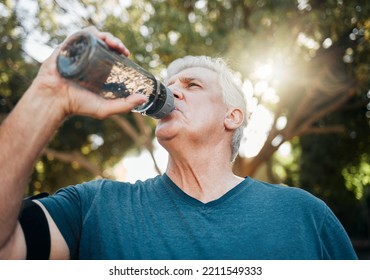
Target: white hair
[(230, 89)]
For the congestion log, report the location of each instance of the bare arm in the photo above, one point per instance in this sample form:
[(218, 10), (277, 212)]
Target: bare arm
[(27, 130)]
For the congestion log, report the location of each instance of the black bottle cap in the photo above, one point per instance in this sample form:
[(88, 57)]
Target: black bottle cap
[(167, 107)]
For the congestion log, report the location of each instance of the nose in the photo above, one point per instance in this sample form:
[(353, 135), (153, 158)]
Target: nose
[(176, 90)]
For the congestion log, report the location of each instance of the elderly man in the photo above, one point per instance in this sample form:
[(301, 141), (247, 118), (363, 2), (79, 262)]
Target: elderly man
[(197, 210)]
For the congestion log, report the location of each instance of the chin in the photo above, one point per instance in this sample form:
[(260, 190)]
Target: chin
[(166, 131)]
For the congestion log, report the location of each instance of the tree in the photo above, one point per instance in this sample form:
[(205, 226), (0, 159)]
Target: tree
[(16, 72), (304, 64)]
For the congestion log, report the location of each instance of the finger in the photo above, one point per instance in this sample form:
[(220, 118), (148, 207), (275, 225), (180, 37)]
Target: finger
[(113, 42), (53, 55), (48, 67), (135, 100), (120, 105)]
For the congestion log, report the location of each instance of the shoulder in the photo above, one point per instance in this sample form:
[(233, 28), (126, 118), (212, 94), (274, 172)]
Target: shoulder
[(308, 212), (292, 203), (88, 190), (79, 199), (288, 196), (280, 189)]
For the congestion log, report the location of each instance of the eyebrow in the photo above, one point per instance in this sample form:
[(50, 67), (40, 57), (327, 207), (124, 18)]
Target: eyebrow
[(186, 79)]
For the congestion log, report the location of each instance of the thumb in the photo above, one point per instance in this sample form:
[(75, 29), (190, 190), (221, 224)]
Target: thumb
[(110, 107), (135, 100)]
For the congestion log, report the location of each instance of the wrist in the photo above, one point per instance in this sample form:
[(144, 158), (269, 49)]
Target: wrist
[(45, 103), (51, 94)]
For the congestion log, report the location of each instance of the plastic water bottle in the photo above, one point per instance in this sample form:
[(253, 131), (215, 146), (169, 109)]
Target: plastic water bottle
[(89, 62)]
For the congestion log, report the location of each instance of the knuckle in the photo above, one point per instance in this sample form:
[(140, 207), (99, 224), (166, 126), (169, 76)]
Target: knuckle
[(102, 115)]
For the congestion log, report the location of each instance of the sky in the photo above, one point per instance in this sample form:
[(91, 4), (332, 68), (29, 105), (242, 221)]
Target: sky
[(141, 167)]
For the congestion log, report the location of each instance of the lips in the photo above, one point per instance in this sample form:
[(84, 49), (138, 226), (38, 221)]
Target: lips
[(171, 115)]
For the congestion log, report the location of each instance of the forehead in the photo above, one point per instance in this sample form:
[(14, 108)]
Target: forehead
[(202, 74)]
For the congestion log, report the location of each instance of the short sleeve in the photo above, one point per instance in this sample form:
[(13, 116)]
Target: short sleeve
[(336, 244), (67, 207)]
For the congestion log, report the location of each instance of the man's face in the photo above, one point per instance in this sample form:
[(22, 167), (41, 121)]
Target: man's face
[(199, 107)]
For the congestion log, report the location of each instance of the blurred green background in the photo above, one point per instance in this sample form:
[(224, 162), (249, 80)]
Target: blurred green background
[(304, 66)]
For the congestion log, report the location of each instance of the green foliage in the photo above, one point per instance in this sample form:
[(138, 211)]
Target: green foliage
[(357, 177), (300, 37), (16, 73), (335, 167)]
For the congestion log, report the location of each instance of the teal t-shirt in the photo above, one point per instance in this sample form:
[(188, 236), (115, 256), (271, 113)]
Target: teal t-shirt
[(155, 219)]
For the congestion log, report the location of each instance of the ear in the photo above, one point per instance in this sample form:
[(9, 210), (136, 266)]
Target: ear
[(233, 118)]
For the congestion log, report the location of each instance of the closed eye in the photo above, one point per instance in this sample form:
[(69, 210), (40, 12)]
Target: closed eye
[(191, 84)]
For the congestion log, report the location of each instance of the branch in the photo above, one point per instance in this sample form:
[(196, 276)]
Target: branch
[(325, 130), (293, 129), (125, 125), (143, 140), (298, 114), (331, 82), (141, 124), (146, 131), (75, 156), (337, 103)]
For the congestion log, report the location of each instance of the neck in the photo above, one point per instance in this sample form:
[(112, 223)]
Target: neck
[(204, 176)]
